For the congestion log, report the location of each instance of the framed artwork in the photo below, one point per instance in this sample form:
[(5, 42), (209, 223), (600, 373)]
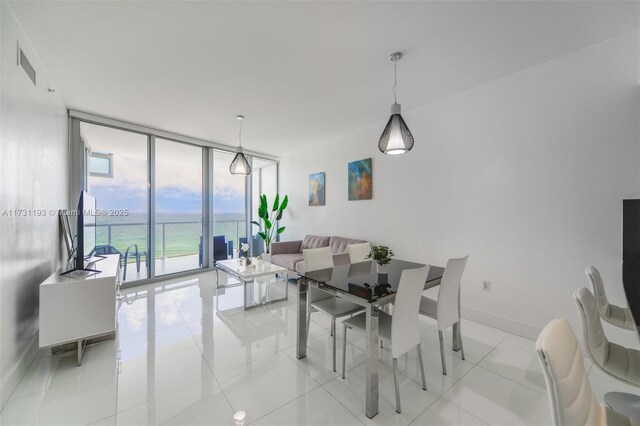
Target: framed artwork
[(360, 179), (316, 189)]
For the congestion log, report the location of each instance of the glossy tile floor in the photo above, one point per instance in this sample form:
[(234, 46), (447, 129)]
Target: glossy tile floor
[(182, 358)]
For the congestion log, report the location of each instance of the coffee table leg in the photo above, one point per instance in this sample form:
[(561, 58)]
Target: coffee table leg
[(301, 320), (244, 286)]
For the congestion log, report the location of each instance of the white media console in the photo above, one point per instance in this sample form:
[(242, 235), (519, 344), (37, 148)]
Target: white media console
[(79, 306)]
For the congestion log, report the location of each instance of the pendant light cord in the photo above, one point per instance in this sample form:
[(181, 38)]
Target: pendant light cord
[(240, 134), (395, 81)]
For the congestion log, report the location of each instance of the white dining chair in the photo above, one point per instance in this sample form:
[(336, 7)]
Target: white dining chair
[(446, 310), (358, 252), (616, 361), (402, 329), (614, 315), (320, 301), (570, 396)]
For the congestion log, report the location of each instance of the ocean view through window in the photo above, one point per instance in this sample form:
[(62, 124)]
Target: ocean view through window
[(199, 211)]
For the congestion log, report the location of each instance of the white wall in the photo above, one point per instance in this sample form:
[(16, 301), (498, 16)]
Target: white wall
[(525, 174), (33, 175)]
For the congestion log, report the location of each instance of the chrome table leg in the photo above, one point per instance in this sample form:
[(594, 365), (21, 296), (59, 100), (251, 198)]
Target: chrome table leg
[(372, 360), (301, 336)]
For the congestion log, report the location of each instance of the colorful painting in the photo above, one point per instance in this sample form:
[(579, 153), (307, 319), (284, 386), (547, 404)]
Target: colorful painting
[(360, 180), (316, 189)]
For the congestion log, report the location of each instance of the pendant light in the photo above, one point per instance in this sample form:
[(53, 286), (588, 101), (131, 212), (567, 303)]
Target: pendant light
[(240, 165), (396, 138)]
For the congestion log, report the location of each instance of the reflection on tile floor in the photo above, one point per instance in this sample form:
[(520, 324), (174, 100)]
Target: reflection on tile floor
[(183, 357)]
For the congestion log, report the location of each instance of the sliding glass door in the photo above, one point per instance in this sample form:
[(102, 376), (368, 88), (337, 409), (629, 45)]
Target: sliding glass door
[(229, 208), (264, 181), (117, 166), (178, 207)]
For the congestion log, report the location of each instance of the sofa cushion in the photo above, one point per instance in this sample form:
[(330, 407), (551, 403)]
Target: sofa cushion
[(339, 244), (288, 261), (314, 241)]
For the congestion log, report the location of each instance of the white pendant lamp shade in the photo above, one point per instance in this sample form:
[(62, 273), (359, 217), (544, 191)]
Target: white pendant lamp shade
[(240, 165), (396, 137)]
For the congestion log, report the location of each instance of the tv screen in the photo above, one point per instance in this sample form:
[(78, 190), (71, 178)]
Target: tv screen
[(86, 228), (631, 255)]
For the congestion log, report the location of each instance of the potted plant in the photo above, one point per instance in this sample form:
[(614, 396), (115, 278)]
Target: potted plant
[(267, 225), (382, 256)]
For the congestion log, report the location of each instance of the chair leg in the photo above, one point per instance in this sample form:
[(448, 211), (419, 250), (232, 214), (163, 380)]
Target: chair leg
[(424, 380), (444, 363), (460, 338), (333, 333), (308, 318), (395, 381), (344, 352)]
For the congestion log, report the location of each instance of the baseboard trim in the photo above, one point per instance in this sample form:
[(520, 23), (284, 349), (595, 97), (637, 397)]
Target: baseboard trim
[(9, 381), (509, 325)]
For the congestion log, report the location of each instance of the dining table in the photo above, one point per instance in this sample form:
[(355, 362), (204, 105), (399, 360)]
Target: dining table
[(362, 284)]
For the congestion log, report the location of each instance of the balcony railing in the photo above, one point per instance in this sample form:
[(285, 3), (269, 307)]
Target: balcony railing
[(235, 225)]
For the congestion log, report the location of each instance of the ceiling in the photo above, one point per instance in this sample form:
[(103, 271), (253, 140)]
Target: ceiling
[(301, 72)]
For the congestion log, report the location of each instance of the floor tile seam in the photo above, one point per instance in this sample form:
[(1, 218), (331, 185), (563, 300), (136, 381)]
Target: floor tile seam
[(340, 402), (502, 375), (338, 374), (466, 411), (512, 381), (35, 358), (146, 401), (16, 398)]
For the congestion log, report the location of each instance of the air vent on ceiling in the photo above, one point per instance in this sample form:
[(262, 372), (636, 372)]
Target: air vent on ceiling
[(26, 67)]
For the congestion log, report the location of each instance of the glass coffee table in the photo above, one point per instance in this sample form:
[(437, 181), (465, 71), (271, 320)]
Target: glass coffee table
[(255, 278)]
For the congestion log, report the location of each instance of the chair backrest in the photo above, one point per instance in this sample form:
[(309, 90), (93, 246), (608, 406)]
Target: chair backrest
[(594, 277), (358, 252), (570, 395), (318, 258), (220, 247), (595, 341), (447, 311), (405, 331)]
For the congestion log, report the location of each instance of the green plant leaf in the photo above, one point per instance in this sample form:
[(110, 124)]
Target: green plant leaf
[(285, 203), (281, 230), (262, 213), (262, 235), (276, 202), (256, 223), (263, 202), (267, 224), (279, 216)]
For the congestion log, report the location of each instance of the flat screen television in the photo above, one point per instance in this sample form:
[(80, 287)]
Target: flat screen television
[(631, 255), (85, 247), (86, 228)]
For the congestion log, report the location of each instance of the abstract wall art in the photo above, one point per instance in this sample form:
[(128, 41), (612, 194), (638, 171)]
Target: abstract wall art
[(316, 189), (360, 179)]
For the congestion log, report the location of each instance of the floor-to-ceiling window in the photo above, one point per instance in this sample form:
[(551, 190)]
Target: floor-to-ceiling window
[(229, 207), (264, 181), (178, 207), (117, 176)]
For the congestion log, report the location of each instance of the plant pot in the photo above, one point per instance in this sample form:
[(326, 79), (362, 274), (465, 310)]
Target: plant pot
[(382, 269)]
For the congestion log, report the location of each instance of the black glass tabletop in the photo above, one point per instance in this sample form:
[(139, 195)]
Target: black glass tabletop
[(363, 280)]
